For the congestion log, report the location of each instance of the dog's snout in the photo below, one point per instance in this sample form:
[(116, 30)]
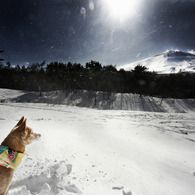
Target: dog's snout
[(38, 135)]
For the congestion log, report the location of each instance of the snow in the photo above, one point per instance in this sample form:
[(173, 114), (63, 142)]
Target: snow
[(171, 61), (110, 152), (100, 100)]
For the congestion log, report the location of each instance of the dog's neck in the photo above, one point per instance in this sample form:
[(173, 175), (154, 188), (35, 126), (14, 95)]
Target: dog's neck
[(14, 143)]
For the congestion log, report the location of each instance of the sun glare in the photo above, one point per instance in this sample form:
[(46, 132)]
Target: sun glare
[(121, 9)]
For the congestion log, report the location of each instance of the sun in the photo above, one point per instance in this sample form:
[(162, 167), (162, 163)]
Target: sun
[(121, 9)]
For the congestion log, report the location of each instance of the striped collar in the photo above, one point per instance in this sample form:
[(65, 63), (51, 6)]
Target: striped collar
[(10, 158)]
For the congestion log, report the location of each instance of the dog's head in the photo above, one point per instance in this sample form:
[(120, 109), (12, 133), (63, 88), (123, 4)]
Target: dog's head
[(26, 134)]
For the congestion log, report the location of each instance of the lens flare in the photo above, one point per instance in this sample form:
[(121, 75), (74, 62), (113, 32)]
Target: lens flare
[(121, 9)]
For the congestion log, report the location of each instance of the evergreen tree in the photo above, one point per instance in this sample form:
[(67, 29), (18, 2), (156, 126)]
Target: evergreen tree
[(1, 59)]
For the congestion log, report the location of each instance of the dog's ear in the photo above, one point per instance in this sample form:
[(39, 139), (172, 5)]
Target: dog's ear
[(20, 122), (22, 127)]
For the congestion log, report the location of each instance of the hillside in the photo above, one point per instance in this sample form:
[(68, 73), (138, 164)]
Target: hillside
[(171, 61), (100, 100)]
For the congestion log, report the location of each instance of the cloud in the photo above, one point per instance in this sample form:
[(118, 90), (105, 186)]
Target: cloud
[(191, 51)]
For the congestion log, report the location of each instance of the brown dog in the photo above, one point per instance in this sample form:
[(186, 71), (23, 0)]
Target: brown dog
[(12, 149)]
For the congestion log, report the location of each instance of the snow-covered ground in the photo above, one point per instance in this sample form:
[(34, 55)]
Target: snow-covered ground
[(100, 100), (109, 152)]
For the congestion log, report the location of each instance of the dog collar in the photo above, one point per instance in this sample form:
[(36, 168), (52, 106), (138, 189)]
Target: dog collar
[(10, 158)]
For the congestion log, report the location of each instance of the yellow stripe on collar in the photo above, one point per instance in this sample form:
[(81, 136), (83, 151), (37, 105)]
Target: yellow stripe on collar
[(10, 159)]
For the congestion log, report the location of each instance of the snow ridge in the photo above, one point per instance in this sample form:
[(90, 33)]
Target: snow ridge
[(49, 182)]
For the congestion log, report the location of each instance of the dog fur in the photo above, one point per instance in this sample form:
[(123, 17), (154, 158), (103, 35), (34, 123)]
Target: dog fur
[(18, 138)]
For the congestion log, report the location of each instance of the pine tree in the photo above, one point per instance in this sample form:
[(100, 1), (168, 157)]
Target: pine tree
[(1, 51)]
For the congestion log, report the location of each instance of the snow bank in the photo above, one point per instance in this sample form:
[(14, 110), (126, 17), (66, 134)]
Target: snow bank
[(101, 100)]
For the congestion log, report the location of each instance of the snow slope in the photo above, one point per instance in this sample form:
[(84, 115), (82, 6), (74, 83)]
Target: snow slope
[(101, 100), (171, 61), (109, 152), (93, 152)]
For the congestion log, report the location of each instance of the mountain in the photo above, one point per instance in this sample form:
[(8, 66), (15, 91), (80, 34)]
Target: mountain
[(171, 61)]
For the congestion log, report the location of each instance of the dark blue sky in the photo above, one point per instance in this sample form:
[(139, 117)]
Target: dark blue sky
[(84, 30)]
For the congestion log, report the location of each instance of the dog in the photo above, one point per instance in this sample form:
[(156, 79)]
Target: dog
[(12, 150)]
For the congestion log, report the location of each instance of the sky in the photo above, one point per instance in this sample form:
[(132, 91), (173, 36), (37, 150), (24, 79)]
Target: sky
[(113, 32)]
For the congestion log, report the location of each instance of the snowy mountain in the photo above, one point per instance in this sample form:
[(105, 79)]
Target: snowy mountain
[(171, 61)]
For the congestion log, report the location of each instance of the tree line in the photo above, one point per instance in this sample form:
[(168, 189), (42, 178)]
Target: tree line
[(94, 76)]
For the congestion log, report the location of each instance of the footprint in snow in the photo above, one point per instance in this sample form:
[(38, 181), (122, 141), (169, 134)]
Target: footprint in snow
[(127, 193), (121, 188), (118, 188)]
